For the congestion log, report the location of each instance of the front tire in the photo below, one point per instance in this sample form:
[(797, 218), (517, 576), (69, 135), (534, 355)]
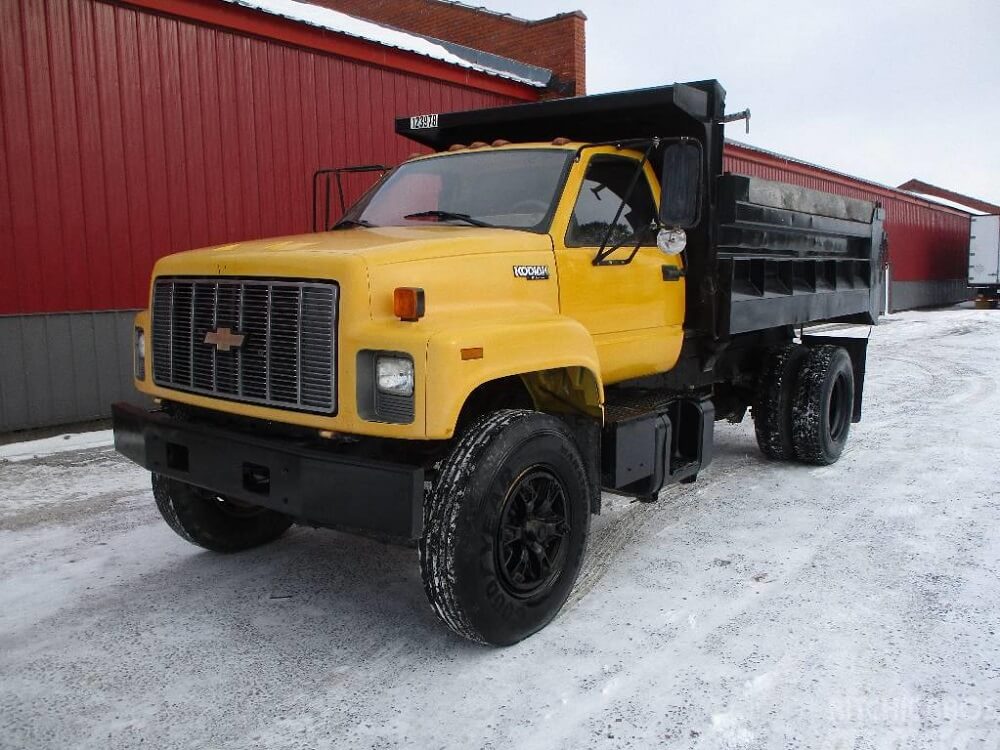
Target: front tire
[(505, 527), (824, 405), (213, 522)]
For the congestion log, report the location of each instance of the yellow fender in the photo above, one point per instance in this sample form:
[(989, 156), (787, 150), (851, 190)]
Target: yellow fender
[(553, 353)]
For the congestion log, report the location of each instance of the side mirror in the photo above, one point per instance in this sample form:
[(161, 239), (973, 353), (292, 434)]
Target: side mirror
[(680, 185)]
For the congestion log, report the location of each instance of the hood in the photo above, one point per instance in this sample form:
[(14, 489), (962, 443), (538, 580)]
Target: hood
[(377, 246), (459, 267)]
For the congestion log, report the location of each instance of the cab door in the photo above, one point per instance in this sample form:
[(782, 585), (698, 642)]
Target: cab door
[(634, 310)]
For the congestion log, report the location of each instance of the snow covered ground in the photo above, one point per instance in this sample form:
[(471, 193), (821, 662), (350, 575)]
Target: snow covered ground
[(766, 606)]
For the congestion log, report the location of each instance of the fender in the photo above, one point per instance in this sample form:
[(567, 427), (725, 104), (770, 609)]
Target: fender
[(463, 357)]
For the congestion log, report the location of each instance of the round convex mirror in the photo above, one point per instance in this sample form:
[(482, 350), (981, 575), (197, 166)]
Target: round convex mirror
[(671, 241)]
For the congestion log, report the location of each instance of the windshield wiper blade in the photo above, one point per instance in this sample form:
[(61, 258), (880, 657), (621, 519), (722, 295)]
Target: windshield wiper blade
[(346, 223), (446, 215)]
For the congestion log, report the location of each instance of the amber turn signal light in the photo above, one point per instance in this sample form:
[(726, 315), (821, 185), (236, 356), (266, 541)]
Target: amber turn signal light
[(408, 303)]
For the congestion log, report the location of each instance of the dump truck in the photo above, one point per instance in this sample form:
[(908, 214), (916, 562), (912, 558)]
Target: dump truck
[(560, 299)]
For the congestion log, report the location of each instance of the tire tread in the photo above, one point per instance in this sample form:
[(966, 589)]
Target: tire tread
[(772, 405), (441, 509), (484, 441), (807, 409)]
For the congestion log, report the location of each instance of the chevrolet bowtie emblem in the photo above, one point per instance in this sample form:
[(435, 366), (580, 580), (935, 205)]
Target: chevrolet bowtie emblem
[(224, 339)]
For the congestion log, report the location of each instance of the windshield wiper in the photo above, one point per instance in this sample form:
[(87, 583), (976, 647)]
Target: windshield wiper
[(448, 215), (346, 223)]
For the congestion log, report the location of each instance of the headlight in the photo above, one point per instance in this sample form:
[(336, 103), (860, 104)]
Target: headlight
[(140, 354), (394, 375)]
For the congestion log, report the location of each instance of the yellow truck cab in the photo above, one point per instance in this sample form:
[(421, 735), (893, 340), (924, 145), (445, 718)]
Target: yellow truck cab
[(560, 299)]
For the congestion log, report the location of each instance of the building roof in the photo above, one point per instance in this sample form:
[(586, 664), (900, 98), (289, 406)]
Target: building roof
[(537, 75), (945, 202), (454, 54), (947, 197), (511, 16), (843, 176)]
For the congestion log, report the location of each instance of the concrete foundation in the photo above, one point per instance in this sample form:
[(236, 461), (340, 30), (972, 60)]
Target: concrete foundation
[(63, 368), (909, 295)]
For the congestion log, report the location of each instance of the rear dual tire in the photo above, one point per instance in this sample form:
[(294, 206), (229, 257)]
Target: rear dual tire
[(804, 403), (823, 405), (772, 408)]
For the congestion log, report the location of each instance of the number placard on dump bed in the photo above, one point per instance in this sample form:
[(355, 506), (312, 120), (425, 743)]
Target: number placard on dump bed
[(419, 122)]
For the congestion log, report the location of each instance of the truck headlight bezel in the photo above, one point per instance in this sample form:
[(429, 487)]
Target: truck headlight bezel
[(386, 386)]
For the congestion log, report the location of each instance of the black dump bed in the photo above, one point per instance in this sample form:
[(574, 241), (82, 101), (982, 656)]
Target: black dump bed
[(787, 255), (764, 254)]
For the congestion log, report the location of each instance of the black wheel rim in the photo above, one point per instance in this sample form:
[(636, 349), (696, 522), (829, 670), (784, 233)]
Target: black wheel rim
[(533, 535), (839, 415)]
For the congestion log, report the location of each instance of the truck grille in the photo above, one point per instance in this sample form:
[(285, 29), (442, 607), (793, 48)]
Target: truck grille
[(287, 354)]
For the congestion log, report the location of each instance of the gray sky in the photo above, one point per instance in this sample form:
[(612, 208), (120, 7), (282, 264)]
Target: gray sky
[(884, 90)]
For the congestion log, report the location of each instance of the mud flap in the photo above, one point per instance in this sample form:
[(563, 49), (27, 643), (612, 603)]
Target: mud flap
[(857, 349)]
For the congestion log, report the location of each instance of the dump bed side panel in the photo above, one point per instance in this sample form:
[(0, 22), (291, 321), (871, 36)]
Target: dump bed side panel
[(789, 255), (984, 251)]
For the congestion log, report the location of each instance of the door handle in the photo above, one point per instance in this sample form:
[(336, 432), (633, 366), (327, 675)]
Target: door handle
[(673, 273)]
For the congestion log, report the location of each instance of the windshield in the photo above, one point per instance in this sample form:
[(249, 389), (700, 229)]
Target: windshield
[(513, 189)]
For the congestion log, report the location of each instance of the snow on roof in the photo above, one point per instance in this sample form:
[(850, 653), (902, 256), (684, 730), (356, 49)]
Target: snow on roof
[(950, 204), (341, 23)]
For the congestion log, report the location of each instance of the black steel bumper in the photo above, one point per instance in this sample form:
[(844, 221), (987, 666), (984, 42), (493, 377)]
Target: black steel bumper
[(314, 486)]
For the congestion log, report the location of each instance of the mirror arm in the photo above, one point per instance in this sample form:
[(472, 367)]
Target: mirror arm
[(603, 253)]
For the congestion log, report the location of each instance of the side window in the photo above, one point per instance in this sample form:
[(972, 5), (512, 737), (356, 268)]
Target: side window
[(604, 186)]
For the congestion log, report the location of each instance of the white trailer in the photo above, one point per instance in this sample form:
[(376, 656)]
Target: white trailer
[(984, 259)]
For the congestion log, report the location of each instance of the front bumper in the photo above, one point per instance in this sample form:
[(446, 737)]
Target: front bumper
[(314, 486)]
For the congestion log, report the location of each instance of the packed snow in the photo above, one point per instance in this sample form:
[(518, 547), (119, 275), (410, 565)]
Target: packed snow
[(949, 203), (58, 444), (766, 606)]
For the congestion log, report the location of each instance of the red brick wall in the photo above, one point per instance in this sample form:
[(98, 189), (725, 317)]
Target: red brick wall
[(557, 43)]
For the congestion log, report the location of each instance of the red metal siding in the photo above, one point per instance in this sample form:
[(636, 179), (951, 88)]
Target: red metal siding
[(128, 135), (926, 242)]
